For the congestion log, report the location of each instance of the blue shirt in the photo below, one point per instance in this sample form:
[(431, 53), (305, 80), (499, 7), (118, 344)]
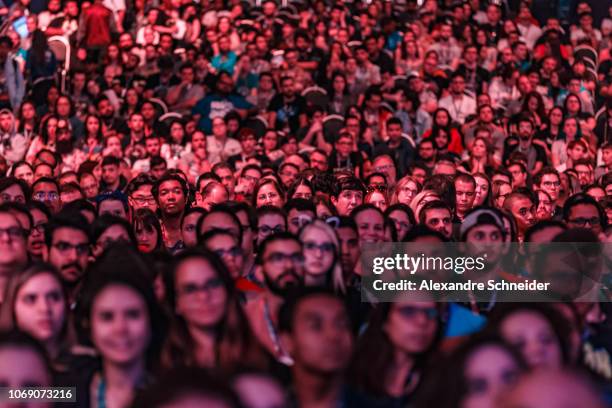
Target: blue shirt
[(216, 105)]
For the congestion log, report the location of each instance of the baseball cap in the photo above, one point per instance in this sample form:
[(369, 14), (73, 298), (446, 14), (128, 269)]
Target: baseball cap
[(480, 216)]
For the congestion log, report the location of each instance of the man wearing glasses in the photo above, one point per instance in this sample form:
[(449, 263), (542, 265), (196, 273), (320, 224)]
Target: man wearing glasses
[(46, 191), (139, 193), (13, 252), (548, 180), (281, 264), (582, 211)]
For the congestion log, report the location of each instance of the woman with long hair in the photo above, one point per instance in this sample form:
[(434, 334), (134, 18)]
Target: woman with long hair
[(405, 190), (393, 351), (339, 96), (35, 302), (268, 192), (442, 120), (207, 331), (23, 170), (41, 62), (45, 138), (92, 142), (401, 215), (570, 131), (408, 56), (473, 375), (148, 231), (119, 316), (553, 126), (321, 256), (27, 119), (131, 102), (483, 190), (301, 188), (480, 157)]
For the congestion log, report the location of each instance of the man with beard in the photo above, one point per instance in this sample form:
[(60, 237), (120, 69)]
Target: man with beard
[(482, 233), (281, 261), (71, 157), (316, 329), (13, 253), (170, 191), (106, 112), (67, 248), (287, 110), (535, 154)]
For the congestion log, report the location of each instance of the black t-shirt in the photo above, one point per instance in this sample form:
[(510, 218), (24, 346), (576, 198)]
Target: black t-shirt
[(287, 113)]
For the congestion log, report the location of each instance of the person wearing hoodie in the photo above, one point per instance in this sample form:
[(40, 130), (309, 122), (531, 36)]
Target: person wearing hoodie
[(12, 84), (13, 145)]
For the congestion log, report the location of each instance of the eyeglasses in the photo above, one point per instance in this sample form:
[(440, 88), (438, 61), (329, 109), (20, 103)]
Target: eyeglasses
[(13, 232), (581, 221), (327, 247), (408, 190), (265, 229), (210, 287), (41, 196), (383, 168), (64, 247), (277, 258), (410, 312), (39, 228), (144, 200), (251, 179), (550, 184), (232, 252)]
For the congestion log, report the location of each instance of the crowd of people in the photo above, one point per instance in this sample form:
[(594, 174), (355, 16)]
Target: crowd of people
[(186, 189)]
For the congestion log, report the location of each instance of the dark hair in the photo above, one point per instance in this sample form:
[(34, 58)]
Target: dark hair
[(300, 204), (349, 183), (277, 236), (583, 199), (146, 219), (143, 179), (541, 226), (169, 177), (420, 231), (180, 382), (263, 182), (432, 205), (73, 221), (233, 338), (121, 265), (300, 181), (287, 311), (104, 222), (219, 210), (404, 208), (7, 182)]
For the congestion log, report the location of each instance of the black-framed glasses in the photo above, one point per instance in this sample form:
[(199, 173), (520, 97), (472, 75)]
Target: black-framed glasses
[(279, 257), (581, 221), (326, 247), (191, 289)]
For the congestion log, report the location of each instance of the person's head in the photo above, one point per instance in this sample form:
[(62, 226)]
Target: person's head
[(219, 218), (348, 194), (321, 251), (315, 327), (118, 314), (225, 173), (519, 174), (213, 193), (483, 190), (548, 180), (538, 331), (402, 217), (24, 361), (46, 191), (67, 246), (111, 171), (147, 230), (473, 375), (465, 193), (40, 217), (115, 203), (35, 303), (300, 212), (139, 193), (23, 171), (525, 128), (189, 225), (268, 192), (370, 223), (437, 216), (170, 191), (344, 144), (13, 189), (544, 231), (228, 248), (281, 260), (546, 206), (581, 210), (585, 171), (384, 164), (270, 220), (406, 189), (108, 230), (521, 205)]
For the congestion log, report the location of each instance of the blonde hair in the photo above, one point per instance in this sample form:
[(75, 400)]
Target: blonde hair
[(400, 185), (419, 201), (337, 277)]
